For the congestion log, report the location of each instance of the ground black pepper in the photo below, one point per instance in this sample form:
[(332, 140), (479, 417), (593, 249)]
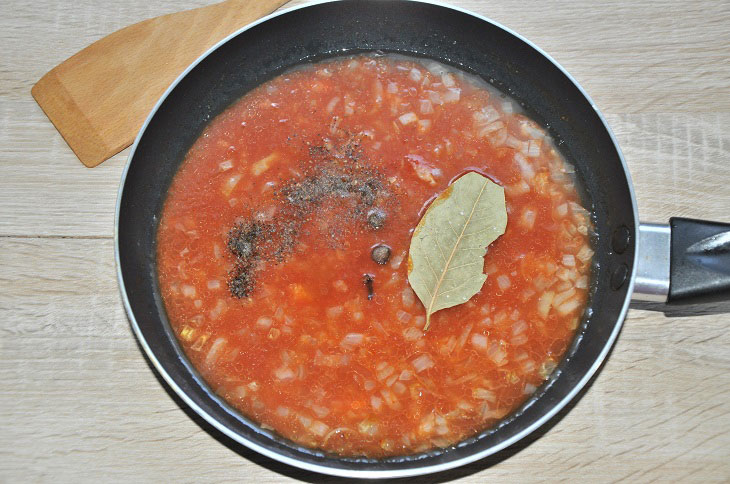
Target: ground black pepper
[(336, 178)]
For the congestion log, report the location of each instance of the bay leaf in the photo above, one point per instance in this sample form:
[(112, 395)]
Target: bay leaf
[(446, 256)]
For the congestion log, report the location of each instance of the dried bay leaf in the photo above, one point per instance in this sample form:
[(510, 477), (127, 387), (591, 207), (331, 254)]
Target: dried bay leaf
[(446, 256)]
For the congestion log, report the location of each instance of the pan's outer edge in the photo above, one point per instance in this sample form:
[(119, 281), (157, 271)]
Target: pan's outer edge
[(373, 474)]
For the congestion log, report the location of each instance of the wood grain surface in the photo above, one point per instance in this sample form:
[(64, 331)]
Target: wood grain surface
[(79, 402), (99, 98)]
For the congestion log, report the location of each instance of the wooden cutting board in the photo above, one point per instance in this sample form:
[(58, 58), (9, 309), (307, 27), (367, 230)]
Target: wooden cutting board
[(99, 98)]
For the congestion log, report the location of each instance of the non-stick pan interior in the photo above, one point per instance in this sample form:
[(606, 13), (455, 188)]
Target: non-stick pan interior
[(319, 31)]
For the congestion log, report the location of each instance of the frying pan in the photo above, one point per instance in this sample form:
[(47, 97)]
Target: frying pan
[(693, 255)]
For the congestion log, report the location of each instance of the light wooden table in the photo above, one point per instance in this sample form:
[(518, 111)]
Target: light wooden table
[(78, 402)]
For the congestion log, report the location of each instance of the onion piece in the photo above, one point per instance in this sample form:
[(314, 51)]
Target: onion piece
[(426, 106), (545, 303), (484, 394), (503, 281), (412, 334), (452, 95), (423, 362), (284, 374), (479, 341), (214, 351), (408, 118), (352, 339)]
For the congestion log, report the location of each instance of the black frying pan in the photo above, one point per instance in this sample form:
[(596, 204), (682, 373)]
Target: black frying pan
[(471, 43)]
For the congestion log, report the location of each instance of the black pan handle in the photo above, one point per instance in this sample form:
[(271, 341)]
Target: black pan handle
[(687, 261), (699, 268)]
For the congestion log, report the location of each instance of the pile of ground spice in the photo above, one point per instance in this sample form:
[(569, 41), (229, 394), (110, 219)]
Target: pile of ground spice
[(337, 179)]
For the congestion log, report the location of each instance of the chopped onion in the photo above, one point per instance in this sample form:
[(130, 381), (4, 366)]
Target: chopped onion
[(240, 392), (424, 125), (415, 75), (391, 380), (335, 312), (569, 260), (318, 428), (225, 165), (423, 362), (519, 188), (483, 394), (403, 316), (405, 375), (533, 148), (568, 306), (518, 340), (408, 118), (230, 184), (369, 385), (545, 303), (528, 366), (367, 427), (376, 402), (479, 341), (513, 142), (264, 323), (529, 389), (392, 88), (408, 297), (412, 334), (397, 260), (561, 210), (434, 97), (282, 411), (332, 104), (284, 374), (219, 308), (426, 106), (384, 372), (503, 282), (526, 168), (585, 253), (378, 88), (264, 164), (448, 79), (527, 219), (352, 339), (452, 95), (214, 284), (399, 388), (490, 128), (464, 336), (582, 282), (188, 290), (427, 424), (215, 351), (486, 115), (390, 399), (496, 353), (320, 411), (519, 327)]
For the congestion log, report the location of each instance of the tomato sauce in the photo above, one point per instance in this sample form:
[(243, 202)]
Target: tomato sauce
[(311, 171)]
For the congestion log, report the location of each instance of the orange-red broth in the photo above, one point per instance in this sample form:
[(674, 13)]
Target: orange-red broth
[(307, 354)]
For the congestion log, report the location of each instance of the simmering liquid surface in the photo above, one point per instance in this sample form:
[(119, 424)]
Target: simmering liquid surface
[(268, 277)]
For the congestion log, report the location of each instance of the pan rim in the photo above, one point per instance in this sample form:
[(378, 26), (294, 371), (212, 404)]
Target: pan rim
[(389, 473)]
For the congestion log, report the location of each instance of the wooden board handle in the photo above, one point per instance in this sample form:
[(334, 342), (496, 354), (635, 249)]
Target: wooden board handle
[(99, 97)]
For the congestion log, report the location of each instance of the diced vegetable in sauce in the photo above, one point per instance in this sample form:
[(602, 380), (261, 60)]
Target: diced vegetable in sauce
[(305, 322)]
